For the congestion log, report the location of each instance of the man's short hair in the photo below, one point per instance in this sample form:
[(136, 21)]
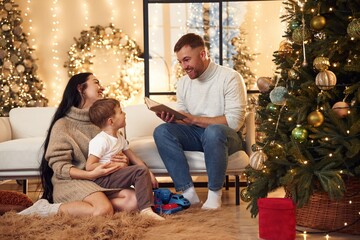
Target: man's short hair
[(102, 110), (191, 39)]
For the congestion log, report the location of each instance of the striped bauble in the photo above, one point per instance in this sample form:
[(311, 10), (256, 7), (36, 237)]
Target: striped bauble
[(257, 160), (325, 80)]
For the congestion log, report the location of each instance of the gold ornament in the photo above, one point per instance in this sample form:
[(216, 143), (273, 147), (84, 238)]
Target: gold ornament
[(20, 68), (325, 80), (264, 84), (321, 63), (257, 160), (244, 195), (341, 109), (285, 47), (318, 22), (353, 29), (315, 118), (298, 37), (292, 74), (5, 27), (8, 6)]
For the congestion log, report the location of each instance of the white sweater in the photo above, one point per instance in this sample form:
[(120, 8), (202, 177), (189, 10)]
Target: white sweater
[(219, 91)]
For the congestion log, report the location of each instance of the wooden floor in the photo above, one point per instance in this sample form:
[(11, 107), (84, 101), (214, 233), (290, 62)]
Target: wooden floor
[(248, 225)]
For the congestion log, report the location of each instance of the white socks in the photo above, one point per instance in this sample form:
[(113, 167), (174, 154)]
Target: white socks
[(213, 200), (150, 213), (42, 208), (191, 195)]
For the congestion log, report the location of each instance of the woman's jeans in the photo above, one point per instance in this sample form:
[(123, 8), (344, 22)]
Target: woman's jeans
[(216, 141)]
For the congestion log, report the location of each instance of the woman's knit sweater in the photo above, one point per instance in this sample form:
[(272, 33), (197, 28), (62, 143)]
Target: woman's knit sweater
[(68, 147)]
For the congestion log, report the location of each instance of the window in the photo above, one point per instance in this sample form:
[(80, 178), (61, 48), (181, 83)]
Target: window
[(256, 23)]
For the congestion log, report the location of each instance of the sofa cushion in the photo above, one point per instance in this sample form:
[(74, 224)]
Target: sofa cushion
[(5, 129), (30, 121), (140, 121), (145, 148), (21, 154)]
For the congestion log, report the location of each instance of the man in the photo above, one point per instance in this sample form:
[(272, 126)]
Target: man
[(213, 98)]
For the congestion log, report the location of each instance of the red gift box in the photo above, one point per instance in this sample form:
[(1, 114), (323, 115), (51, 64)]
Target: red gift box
[(277, 218)]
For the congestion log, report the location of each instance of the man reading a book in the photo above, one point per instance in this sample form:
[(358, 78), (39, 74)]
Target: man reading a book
[(213, 99)]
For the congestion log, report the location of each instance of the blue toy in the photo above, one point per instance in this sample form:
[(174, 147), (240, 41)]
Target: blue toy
[(162, 194), (169, 208), (180, 200), (167, 202)]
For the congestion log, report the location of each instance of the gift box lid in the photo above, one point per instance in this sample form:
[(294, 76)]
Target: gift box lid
[(276, 203)]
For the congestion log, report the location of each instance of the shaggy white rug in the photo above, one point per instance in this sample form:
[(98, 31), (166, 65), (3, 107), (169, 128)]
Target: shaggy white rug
[(192, 223)]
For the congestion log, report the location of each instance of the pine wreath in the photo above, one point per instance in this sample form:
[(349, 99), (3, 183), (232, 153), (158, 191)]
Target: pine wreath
[(81, 58)]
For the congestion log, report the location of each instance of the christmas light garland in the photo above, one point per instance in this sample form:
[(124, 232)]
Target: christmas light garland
[(130, 75)]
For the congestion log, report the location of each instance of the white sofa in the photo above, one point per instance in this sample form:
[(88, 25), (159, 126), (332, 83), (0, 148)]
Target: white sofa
[(23, 132)]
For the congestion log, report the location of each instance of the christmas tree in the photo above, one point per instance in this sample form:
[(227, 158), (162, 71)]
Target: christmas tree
[(308, 112), (242, 58), (20, 86)]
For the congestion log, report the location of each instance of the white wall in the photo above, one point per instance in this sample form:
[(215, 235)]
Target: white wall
[(72, 17)]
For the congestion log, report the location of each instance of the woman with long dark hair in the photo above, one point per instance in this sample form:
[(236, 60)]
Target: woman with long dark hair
[(67, 185)]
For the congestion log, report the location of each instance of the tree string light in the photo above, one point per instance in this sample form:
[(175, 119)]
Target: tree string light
[(134, 17), (56, 85), (85, 8), (112, 10), (29, 20)]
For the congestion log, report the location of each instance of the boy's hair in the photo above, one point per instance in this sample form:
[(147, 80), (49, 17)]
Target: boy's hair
[(101, 110), (191, 39)]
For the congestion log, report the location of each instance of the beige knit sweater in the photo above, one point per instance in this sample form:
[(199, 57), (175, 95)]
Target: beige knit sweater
[(68, 147)]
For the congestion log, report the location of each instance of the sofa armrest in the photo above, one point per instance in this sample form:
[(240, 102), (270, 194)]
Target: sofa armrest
[(5, 129), (250, 131)]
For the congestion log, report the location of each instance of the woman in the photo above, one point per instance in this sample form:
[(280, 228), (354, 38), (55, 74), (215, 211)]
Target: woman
[(64, 178)]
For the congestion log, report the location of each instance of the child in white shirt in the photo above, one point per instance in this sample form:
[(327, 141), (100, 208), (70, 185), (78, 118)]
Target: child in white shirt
[(108, 116)]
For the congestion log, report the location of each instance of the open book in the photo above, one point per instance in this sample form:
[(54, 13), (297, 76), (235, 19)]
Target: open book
[(158, 107)]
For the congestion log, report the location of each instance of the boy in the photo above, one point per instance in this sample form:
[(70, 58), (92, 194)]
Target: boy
[(108, 116)]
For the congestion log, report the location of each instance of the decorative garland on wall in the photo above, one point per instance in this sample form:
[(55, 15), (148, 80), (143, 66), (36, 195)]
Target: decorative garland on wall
[(131, 75)]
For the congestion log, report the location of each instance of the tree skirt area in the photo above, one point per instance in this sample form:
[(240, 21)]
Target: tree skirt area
[(192, 223)]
